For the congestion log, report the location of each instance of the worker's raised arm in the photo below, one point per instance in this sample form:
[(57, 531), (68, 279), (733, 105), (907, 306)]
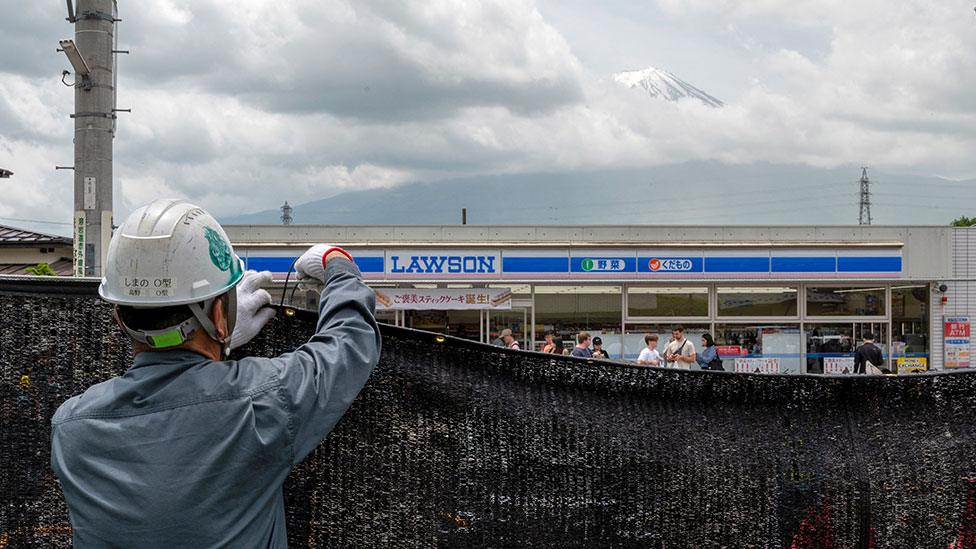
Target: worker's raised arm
[(322, 377)]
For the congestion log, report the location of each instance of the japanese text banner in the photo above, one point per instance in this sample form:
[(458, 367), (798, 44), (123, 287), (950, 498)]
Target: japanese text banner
[(443, 298)]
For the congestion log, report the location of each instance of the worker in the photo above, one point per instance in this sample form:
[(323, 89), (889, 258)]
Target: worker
[(188, 448)]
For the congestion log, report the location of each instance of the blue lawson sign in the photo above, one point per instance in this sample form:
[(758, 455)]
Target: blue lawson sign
[(277, 264), (441, 264), (642, 265)]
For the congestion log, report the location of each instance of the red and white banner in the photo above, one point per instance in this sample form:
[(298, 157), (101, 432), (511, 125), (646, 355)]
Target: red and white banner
[(442, 299)]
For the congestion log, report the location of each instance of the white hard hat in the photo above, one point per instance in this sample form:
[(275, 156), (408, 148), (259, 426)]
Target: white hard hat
[(168, 253)]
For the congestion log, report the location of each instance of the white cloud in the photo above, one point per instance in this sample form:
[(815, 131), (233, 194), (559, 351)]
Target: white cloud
[(805, 12), (36, 190), (137, 191), (240, 115)]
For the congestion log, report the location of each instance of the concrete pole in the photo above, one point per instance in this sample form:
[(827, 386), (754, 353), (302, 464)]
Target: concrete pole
[(94, 131)]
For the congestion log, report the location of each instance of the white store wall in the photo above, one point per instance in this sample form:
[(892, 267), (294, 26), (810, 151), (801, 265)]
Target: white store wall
[(961, 293)]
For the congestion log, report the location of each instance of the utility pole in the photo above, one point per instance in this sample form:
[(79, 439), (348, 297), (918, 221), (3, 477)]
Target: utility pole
[(93, 56), (864, 217)]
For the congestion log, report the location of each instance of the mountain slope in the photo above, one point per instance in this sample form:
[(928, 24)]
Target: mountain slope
[(662, 84), (693, 193)]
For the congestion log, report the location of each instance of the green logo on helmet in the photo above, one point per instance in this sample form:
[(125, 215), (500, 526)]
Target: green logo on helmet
[(219, 250)]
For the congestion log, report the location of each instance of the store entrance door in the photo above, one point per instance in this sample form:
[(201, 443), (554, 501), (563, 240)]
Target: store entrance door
[(516, 319), (830, 346)]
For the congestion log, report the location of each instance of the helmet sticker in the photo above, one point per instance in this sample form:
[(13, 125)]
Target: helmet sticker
[(219, 250)]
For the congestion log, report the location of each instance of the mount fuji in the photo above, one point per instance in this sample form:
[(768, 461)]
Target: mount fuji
[(664, 85)]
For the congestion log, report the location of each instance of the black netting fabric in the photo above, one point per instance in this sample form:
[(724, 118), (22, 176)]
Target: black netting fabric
[(452, 443)]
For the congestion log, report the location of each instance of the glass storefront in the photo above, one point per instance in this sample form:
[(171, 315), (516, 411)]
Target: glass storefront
[(634, 337), (845, 301), (740, 344), (566, 311), (831, 346), (910, 328), (456, 323), (756, 301), (671, 302), (800, 328), (515, 319)]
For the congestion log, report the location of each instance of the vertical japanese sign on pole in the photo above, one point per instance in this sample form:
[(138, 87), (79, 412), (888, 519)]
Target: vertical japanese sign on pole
[(956, 339), (78, 248)]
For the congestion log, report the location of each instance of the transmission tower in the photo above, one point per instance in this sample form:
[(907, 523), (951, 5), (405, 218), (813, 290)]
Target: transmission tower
[(286, 214), (864, 217)]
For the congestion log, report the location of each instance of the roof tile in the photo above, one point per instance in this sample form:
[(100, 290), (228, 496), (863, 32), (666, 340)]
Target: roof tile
[(12, 235)]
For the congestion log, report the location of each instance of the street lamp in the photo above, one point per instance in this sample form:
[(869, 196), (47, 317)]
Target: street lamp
[(77, 61), (74, 57)]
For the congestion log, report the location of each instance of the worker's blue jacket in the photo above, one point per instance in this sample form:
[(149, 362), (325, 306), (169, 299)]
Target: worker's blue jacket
[(182, 451)]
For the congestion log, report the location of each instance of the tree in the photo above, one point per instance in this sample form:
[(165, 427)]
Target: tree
[(41, 269), (964, 221)]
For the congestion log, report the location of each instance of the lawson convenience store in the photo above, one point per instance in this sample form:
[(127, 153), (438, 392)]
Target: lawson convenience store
[(783, 299)]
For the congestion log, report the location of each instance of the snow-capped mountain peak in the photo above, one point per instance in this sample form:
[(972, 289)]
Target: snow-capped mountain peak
[(665, 85)]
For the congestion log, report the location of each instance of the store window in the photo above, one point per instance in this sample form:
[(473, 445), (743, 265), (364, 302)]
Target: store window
[(567, 310), (643, 301), (831, 301), (910, 328), (517, 318), (465, 324), (766, 348), (757, 301), (386, 316), (470, 323), (634, 337), (830, 346)]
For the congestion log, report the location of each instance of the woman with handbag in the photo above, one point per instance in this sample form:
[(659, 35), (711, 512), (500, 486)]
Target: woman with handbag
[(708, 359)]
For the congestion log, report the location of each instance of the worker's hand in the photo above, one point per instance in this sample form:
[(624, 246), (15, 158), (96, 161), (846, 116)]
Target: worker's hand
[(253, 307), (312, 263)]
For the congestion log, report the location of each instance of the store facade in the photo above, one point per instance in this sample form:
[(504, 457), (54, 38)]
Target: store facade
[(776, 299)]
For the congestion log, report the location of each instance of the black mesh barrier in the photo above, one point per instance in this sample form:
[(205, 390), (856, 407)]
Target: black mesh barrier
[(453, 443)]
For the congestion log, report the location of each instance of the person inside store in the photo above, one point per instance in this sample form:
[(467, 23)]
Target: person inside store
[(508, 340), (188, 448), (598, 350), (582, 348), (708, 359), (679, 352), (868, 353), (559, 348), (649, 355), (550, 345)]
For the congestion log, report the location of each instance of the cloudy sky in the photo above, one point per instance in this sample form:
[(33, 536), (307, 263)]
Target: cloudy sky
[(241, 104)]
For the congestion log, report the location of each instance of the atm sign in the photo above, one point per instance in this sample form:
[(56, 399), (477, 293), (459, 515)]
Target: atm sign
[(669, 265)]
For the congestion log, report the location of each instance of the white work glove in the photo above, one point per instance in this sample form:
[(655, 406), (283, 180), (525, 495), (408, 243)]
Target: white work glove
[(252, 307), (309, 265)]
